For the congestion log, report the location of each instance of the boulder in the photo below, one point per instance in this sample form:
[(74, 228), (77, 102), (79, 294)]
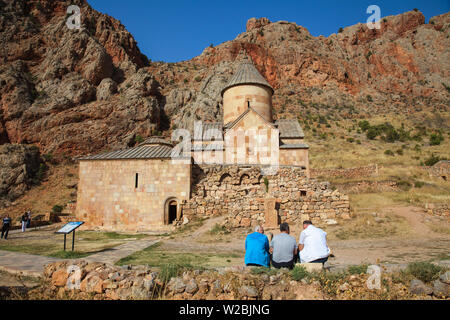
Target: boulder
[(248, 291), (440, 289), (419, 288)]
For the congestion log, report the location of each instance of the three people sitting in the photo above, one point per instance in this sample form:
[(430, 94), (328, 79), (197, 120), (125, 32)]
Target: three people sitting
[(282, 252)]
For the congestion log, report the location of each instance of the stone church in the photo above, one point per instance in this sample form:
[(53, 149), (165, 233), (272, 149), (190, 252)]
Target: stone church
[(144, 187)]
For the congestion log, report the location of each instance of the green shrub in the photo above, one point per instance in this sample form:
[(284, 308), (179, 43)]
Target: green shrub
[(340, 30), (138, 139), (400, 152), (424, 271), (40, 173), (266, 183), (217, 229), (371, 133), (404, 185), (57, 209), (388, 153), (436, 139), (432, 160), (299, 273), (359, 269), (198, 79), (419, 184)]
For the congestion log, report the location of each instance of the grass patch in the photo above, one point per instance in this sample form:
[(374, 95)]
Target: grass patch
[(424, 271), (158, 256), (438, 228), (100, 236), (299, 273), (47, 243), (69, 254), (364, 226), (218, 229), (187, 228), (263, 270), (358, 269)]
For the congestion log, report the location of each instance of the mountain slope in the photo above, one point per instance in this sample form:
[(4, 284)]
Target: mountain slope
[(76, 92)]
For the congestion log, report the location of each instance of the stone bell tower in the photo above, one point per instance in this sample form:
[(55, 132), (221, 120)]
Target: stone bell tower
[(247, 88)]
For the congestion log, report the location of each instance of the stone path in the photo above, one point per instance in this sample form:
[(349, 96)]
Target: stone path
[(28, 264), (33, 265)]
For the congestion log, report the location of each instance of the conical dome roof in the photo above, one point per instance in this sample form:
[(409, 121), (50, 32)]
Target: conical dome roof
[(247, 74)]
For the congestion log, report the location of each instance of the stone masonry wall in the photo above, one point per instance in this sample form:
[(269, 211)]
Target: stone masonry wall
[(108, 198), (358, 172), (240, 193)]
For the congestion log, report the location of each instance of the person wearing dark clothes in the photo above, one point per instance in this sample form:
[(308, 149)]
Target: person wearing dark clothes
[(28, 218), (24, 221), (6, 226)]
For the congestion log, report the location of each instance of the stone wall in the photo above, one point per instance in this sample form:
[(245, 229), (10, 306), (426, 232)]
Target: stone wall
[(243, 194), (108, 198), (367, 187), (440, 169), (350, 173), (438, 209), (98, 281)]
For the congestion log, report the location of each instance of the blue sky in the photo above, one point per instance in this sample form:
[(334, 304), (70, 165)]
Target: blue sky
[(173, 30)]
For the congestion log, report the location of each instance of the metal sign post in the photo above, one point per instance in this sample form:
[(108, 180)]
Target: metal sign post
[(67, 229)]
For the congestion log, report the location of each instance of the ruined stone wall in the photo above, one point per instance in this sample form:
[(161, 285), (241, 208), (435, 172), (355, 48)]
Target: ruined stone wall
[(368, 187), (350, 173), (241, 194), (108, 198), (440, 169), (438, 209)]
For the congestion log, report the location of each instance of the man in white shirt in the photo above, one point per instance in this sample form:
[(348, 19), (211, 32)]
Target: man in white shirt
[(313, 244)]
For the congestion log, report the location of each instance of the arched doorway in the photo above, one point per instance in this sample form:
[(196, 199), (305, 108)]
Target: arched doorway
[(171, 209)]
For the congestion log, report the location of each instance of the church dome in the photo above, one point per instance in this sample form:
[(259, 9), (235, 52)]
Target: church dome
[(247, 74)]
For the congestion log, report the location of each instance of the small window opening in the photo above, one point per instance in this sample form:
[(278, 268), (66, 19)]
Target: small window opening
[(136, 181), (303, 193)]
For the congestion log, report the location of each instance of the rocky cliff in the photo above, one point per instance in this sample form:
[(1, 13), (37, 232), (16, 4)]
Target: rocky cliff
[(84, 91)]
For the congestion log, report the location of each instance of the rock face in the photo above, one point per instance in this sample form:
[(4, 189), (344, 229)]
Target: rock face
[(82, 91), (59, 87), (19, 165)]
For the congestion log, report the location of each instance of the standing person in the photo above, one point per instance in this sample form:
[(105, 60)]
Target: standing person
[(313, 244), (6, 226), (28, 218), (283, 248), (257, 249), (24, 222)]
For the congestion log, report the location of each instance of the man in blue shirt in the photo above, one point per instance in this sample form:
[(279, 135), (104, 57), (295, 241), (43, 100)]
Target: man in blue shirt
[(257, 249)]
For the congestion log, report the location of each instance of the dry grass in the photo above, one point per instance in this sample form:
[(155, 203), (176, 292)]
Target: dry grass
[(338, 152), (367, 226)]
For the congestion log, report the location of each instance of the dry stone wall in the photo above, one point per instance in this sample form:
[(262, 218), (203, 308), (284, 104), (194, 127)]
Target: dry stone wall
[(368, 187), (242, 193), (350, 173)]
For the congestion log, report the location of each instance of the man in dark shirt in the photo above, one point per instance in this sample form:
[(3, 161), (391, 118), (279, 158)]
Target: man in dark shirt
[(6, 226)]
